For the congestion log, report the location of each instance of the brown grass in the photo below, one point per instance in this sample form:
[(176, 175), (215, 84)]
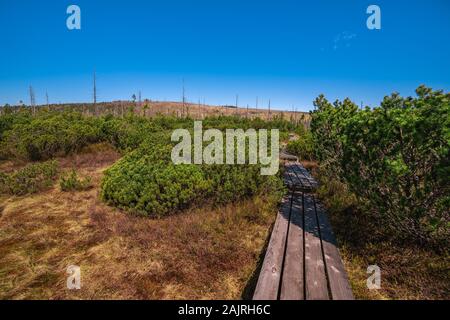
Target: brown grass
[(408, 271), (205, 253)]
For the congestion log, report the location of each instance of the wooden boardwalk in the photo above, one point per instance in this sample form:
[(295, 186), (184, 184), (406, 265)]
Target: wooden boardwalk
[(302, 261)]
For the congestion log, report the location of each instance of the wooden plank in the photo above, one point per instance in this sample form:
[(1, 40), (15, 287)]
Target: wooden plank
[(289, 172), (304, 175), (295, 180), (270, 276), (287, 179), (287, 156), (292, 286), (294, 266), (301, 177), (315, 278), (337, 276)]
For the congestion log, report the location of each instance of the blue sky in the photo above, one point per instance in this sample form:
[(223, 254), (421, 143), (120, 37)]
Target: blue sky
[(286, 51)]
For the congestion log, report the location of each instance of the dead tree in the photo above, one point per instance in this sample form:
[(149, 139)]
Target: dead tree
[(32, 101), (95, 95), (140, 99), (184, 100)]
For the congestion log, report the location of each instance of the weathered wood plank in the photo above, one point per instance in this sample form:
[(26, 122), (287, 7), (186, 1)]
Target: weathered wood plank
[(305, 176), (292, 286), (337, 276), (270, 276), (315, 277), (301, 176), (294, 266), (287, 156), (297, 183), (287, 179)]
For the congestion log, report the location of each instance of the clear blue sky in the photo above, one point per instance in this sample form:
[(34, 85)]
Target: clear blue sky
[(288, 51)]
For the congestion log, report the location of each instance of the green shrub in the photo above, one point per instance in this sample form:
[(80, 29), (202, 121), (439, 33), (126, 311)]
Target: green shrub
[(71, 182), (303, 147), (129, 133), (3, 183), (50, 134), (31, 179), (8, 120), (394, 158), (147, 182)]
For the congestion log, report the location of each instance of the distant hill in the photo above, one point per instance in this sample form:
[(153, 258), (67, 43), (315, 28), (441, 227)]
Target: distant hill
[(196, 111)]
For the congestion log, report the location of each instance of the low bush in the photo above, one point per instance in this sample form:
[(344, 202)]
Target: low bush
[(148, 183), (31, 179), (48, 135), (302, 147), (394, 158), (71, 182), (129, 133), (8, 120), (145, 180)]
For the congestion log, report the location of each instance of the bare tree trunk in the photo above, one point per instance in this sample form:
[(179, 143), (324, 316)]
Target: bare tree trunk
[(32, 101), (95, 95)]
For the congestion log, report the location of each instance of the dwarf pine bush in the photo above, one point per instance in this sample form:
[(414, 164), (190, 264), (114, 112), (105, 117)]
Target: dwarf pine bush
[(394, 158), (72, 182), (30, 179), (303, 147), (147, 182), (48, 135)]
